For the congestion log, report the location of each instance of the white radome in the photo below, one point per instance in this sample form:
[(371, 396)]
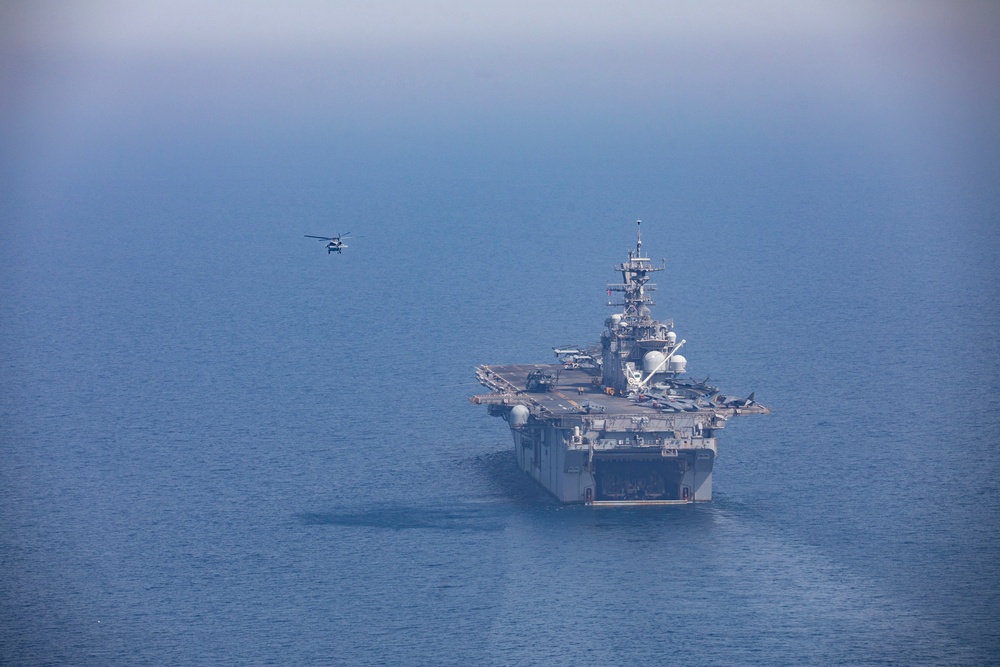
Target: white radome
[(678, 364)]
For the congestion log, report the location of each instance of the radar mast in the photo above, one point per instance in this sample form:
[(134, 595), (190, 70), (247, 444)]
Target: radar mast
[(633, 333), (635, 284)]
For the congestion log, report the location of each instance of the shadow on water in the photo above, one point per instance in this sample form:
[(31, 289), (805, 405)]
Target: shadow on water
[(507, 482), (396, 516), (507, 487)]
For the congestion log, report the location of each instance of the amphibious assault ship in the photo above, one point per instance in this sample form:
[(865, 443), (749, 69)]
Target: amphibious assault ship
[(619, 423)]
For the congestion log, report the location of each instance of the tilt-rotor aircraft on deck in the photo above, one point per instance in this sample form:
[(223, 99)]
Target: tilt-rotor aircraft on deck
[(622, 428)]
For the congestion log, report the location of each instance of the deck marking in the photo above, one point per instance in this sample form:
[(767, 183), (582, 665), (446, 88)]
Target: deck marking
[(572, 402)]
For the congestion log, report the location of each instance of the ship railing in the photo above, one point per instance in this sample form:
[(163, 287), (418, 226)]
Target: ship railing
[(494, 381), (500, 399)]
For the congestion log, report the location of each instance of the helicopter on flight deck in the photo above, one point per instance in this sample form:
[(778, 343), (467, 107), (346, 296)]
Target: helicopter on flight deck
[(334, 243)]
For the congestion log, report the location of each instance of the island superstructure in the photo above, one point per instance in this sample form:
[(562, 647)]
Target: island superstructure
[(619, 423)]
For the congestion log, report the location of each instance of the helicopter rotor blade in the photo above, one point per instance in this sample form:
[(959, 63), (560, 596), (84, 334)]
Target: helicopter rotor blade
[(325, 238)]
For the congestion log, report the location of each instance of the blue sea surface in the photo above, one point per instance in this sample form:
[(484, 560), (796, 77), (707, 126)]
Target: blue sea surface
[(220, 445)]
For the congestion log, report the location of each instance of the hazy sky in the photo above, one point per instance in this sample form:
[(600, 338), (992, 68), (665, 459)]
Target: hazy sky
[(97, 69), (127, 28)]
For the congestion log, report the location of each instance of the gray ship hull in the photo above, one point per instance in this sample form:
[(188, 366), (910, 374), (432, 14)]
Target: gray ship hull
[(623, 476), (584, 446)]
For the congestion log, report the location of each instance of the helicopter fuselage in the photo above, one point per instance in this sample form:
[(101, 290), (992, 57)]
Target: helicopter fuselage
[(333, 243)]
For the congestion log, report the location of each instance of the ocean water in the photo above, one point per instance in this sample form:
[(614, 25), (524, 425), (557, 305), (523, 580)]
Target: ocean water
[(221, 445)]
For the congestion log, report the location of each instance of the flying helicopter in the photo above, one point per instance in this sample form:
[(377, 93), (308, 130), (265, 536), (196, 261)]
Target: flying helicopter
[(334, 243)]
